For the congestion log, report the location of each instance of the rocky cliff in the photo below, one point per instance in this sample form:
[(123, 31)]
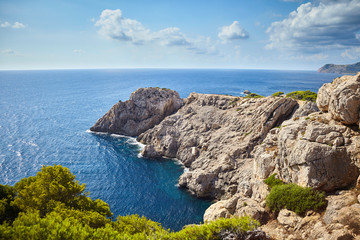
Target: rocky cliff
[(145, 108), (229, 145), (340, 69)]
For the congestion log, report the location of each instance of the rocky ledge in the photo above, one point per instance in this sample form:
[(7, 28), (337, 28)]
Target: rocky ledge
[(229, 145)]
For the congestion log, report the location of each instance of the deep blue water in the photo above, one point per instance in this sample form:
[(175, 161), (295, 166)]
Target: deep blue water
[(45, 115)]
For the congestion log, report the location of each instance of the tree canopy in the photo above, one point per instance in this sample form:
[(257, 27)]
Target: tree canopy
[(53, 205)]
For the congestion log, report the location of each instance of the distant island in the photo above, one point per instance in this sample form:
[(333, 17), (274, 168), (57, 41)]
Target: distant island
[(340, 69)]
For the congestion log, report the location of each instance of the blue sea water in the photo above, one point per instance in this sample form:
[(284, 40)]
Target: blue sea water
[(45, 115)]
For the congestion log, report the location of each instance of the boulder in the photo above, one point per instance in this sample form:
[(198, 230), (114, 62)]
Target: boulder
[(288, 218), (341, 99), (336, 203), (145, 108), (310, 152)]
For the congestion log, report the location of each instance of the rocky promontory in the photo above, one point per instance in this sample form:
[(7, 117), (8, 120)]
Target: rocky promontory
[(230, 145), (145, 108), (340, 69)]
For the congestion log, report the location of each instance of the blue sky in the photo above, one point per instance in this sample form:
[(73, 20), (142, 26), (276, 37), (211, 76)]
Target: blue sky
[(257, 34)]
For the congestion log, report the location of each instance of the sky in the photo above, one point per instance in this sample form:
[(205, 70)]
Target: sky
[(234, 34)]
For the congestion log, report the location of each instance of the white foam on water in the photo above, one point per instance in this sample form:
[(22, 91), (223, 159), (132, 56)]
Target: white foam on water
[(130, 140)]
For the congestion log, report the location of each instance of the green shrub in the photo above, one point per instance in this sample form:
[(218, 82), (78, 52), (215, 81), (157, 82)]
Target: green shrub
[(277, 94), (273, 181), (295, 198), (212, 230), (53, 205), (253, 95), (303, 95)]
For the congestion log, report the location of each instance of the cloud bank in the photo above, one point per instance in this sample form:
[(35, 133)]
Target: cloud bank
[(328, 24), (14, 25), (115, 26)]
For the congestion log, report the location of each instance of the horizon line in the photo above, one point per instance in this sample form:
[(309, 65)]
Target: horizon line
[(155, 68)]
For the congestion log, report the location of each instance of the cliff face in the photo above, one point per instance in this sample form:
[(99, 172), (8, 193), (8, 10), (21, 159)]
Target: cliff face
[(231, 144), (340, 69), (145, 108), (213, 136)]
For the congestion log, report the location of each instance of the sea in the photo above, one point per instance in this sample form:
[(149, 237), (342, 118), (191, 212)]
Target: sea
[(45, 116)]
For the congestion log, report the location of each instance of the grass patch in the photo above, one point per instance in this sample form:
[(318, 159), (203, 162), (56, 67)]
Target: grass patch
[(303, 95), (253, 95), (277, 94)]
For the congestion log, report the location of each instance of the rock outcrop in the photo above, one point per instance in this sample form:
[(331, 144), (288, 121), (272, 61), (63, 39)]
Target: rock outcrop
[(341, 99), (213, 136), (309, 152), (145, 108)]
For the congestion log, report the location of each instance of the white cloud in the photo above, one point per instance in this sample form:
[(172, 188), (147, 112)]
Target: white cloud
[(172, 37), (15, 25), (233, 32), (312, 27), (18, 25), (5, 24), (8, 51), (114, 25), (353, 53), (78, 51)]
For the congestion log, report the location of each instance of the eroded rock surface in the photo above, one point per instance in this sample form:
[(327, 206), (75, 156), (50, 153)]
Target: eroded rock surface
[(309, 151), (341, 99), (213, 136), (145, 108)]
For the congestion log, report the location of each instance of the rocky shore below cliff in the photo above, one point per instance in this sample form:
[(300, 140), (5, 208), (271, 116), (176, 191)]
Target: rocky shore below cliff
[(230, 145)]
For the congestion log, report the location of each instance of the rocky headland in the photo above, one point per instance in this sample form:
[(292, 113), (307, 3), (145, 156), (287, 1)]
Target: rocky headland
[(340, 69), (230, 145)]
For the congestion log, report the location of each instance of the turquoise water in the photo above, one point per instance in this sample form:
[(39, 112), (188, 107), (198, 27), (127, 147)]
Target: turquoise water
[(45, 115)]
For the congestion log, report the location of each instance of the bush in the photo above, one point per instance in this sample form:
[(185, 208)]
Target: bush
[(273, 181), (253, 95), (277, 94), (303, 95), (295, 198), (53, 205), (213, 230)]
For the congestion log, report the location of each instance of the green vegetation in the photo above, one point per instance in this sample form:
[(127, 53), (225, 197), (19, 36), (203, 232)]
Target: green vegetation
[(277, 94), (295, 198), (53, 205), (303, 95), (253, 95), (272, 181)]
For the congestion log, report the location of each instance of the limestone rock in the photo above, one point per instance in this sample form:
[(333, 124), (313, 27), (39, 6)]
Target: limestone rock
[(213, 135), (310, 152), (336, 203), (341, 99), (145, 108), (238, 205), (249, 207), (221, 209), (288, 218), (305, 109)]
